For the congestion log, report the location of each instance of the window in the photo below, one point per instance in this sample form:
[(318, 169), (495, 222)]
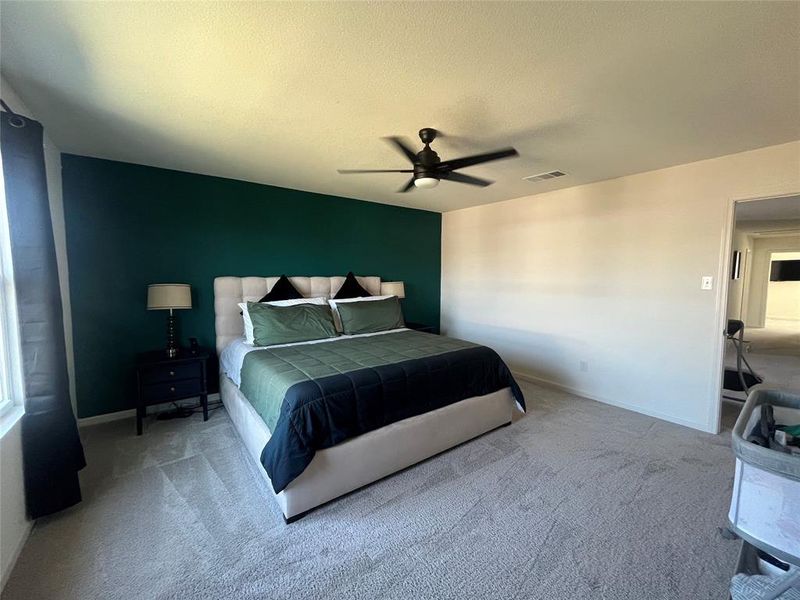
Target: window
[(11, 390)]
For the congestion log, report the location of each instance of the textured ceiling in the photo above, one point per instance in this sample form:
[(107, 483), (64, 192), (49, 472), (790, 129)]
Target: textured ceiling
[(286, 93), (773, 209)]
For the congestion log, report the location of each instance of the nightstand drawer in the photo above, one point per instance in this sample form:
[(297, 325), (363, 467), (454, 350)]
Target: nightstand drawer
[(163, 373), (176, 389)]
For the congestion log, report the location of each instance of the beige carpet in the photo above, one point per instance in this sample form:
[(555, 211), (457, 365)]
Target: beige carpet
[(774, 353), (576, 500), (778, 336)]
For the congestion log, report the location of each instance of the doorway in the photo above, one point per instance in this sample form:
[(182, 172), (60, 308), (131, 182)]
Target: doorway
[(764, 296)]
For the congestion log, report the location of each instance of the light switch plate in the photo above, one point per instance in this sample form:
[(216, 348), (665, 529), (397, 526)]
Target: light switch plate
[(707, 282)]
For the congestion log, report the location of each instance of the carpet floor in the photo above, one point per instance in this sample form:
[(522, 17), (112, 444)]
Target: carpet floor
[(575, 500), (773, 352), (778, 336)]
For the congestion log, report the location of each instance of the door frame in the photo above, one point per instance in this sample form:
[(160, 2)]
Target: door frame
[(723, 276)]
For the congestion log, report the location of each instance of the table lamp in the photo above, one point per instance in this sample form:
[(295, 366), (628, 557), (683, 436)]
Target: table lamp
[(169, 296), (393, 288)]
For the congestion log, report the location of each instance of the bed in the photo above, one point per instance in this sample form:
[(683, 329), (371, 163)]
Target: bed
[(336, 449)]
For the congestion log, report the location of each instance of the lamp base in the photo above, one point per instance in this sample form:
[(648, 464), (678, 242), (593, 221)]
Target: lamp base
[(172, 345)]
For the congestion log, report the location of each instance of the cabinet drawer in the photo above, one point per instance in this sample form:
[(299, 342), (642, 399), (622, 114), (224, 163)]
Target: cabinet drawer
[(164, 373), (156, 392)]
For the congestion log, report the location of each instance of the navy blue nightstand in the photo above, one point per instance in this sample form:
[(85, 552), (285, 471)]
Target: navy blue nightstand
[(161, 379)]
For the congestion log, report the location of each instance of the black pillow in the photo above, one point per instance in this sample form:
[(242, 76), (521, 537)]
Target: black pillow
[(282, 290), (351, 288)]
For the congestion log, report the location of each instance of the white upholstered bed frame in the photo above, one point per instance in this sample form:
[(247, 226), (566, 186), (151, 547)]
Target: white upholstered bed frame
[(362, 460)]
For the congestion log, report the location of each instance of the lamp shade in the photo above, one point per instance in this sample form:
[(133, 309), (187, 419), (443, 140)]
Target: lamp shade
[(162, 296), (393, 288)]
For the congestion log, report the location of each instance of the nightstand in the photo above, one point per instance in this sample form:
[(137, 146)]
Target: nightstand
[(161, 379), (421, 327)]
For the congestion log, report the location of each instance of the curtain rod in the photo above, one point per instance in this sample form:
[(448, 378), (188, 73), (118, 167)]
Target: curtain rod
[(14, 120)]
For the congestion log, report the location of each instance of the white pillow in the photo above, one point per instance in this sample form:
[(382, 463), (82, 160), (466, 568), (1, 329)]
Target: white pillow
[(248, 323), (337, 320)]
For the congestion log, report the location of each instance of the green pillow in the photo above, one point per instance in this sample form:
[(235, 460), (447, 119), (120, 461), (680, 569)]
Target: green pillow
[(287, 324), (370, 315)]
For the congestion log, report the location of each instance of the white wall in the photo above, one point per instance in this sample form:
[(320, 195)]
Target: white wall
[(763, 248), (743, 242), (783, 297), (609, 274), (14, 525)]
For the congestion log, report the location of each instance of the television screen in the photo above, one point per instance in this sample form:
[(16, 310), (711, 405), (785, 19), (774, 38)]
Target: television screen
[(785, 270)]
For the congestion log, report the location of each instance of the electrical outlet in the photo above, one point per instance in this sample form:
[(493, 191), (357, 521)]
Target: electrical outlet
[(707, 282), (584, 366)]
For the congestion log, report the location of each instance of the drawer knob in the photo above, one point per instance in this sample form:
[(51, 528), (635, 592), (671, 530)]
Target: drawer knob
[(172, 373), (172, 389)]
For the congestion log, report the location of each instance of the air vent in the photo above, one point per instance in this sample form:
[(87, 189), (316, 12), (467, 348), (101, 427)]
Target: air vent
[(543, 176)]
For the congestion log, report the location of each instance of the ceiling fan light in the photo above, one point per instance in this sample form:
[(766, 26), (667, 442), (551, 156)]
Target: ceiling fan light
[(426, 182)]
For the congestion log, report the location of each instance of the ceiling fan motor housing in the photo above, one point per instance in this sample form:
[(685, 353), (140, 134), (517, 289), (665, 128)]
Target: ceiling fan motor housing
[(427, 159), (425, 166)]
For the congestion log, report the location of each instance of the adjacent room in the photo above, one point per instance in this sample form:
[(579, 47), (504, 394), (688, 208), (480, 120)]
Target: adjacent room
[(400, 300), (764, 297)]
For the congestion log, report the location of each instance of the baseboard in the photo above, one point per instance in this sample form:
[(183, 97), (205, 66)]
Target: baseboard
[(106, 417), (633, 408), (126, 414), (17, 551)]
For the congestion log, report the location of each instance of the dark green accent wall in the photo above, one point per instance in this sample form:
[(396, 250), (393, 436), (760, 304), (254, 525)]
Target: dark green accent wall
[(130, 225)]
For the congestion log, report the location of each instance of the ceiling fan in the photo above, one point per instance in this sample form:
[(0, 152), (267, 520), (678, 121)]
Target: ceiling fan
[(429, 168)]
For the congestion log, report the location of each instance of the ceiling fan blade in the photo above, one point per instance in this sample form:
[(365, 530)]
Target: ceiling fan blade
[(350, 171), (408, 186), (468, 161), (461, 178), (403, 147)]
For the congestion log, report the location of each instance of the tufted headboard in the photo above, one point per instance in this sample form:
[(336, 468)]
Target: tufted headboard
[(230, 291)]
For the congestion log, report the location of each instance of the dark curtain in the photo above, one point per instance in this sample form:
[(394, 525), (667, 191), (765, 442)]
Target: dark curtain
[(51, 448)]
